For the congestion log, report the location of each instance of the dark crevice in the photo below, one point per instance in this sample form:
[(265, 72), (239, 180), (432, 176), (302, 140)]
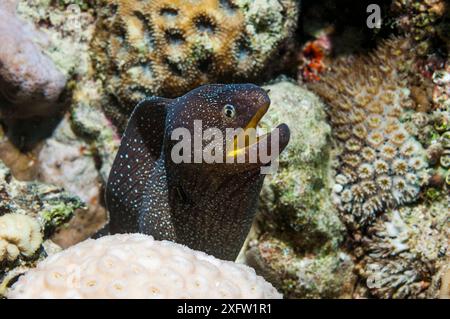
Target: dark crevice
[(174, 36), (174, 67), (205, 24), (229, 6), (168, 12), (204, 65)]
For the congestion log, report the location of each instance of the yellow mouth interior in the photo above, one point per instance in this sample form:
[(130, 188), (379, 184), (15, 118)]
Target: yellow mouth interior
[(248, 131)]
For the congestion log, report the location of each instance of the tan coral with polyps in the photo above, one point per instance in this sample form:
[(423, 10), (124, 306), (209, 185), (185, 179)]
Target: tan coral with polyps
[(136, 266), (161, 47), (381, 164)]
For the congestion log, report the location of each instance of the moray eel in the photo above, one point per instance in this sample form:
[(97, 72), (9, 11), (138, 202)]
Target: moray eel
[(205, 206)]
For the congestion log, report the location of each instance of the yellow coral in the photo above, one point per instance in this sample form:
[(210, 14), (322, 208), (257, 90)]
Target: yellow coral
[(380, 159), (167, 48), (19, 234)]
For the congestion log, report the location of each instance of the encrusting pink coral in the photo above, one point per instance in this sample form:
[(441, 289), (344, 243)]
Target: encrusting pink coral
[(30, 83)]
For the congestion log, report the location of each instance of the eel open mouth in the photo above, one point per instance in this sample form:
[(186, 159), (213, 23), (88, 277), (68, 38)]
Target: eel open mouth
[(248, 140)]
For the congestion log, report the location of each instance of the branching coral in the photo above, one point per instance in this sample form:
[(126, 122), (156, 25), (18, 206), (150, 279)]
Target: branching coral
[(170, 47), (136, 266), (381, 163), (19, 234), (30, 83)]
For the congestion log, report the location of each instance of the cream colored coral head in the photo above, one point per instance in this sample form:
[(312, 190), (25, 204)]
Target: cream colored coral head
[(136, 266), (19, 235)]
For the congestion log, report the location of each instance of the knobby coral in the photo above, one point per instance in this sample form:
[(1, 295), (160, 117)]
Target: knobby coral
[(167, 48), (136, 266), (381, 163), (19, 234), (30, 83)]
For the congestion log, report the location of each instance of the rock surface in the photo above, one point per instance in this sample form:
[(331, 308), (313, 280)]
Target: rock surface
[(298, 232), (30, 83)]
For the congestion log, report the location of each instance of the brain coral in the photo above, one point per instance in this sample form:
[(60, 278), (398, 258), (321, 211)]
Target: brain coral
[(136, 266), (167, 48), (381, 163)]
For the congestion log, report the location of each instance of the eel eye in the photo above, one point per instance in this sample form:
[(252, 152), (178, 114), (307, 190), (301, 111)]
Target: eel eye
[(229, 111)]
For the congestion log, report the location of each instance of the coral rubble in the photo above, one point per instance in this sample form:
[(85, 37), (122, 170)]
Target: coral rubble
[(298, 233), (167, 48), (381, 163), (30, 83)]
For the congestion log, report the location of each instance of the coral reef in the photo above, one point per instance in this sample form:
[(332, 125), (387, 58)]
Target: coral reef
[(66, 161), (327, 275), (30, 213), (90, 123), (435, 135), (102, 269), (441, 92), (381, 163), (170, 47), (404, 249), (298, 232), (51, 205), (30, 83), (312, 58), (375, 159), (69, 26), (298, 194), (22, 164), (425, 21), (433, 131)]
